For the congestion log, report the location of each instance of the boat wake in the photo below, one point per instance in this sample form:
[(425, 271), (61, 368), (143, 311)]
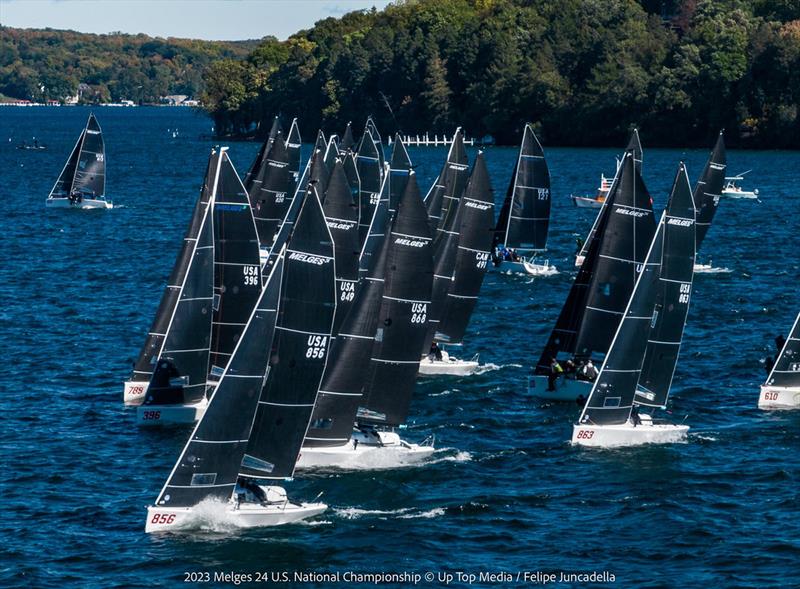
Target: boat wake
[(490, 366), (405, 513), (211, 515), (709, 269)]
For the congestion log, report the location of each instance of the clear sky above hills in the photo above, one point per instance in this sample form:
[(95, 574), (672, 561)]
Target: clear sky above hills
[(197, 19)]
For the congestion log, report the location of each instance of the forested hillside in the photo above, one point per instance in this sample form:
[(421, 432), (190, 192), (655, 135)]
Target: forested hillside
[(583, 71), (41, 65)]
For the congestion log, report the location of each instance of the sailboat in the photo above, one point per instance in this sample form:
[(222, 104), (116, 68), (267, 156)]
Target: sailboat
[(259, 412), (781, 390), (388, 318), (525, 215), (602, 287), (635, 147), (139, 380), (236, 281), (707, 195), (466, 251), (370, 175), (638, 370), (82, 182)]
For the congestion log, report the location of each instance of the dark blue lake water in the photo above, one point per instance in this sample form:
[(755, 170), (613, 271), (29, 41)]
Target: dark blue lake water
[(505, 492)]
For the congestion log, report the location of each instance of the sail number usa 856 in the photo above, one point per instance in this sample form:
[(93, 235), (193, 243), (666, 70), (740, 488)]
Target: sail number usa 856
[(316, 346)]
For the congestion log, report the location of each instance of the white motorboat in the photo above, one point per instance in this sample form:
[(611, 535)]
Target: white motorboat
[(733, 190)]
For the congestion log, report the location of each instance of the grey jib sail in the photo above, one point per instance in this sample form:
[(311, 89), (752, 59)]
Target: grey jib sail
[(672, 297), (237, 267), (369, 173), (709, 188), (345, 374), (786, 371), (181, 371), (623, 247), (299, 349), (525, 216), (635, 148), (84, 175), (449, 185), (146, 361), (271, 191), (209, 463), (341, 215), (403, 314), (475, 223)]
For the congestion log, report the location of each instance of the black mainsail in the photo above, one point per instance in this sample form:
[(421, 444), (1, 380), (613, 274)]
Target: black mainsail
[(709, 188), (271, 190), (402, 318), (674, 290), (154, 342), (181, 371), (237, 265), (84, 174), (260, 159), (635, 147), (299, 349), (348, 141), (209, 464), (341, 215), (399, 167), (475, 235), (376, 233), (616, 249), (525, 215)]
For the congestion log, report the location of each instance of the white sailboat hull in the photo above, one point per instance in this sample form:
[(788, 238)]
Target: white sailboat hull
[(616, 436), (566, 389), (586, 202), (527, 267), (244, 515), (773, 397), (134, 392), (448, 365), (155, 415), (86, 203), (579, 260), (376, 451)]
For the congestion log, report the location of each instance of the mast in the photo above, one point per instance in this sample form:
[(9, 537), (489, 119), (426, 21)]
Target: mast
[(341, 216), (709, 188), (237, 265), (674, 290), (89, 179), (299, 349), (154, 342), (181, 371), (219, 439), (369, 172), (527, 214), (402, 316), (476, 221)]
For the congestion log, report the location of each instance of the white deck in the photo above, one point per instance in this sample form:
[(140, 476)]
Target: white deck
[(566, 389), (448, 365), (373, 451), (86, 203)]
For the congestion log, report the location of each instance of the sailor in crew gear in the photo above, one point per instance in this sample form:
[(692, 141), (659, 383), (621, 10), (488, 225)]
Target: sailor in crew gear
[(635, 419), (588, 371), (435, 353), (555, 372), (249, 491)]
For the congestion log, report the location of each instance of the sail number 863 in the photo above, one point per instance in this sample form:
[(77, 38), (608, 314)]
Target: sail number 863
[(686, 288)]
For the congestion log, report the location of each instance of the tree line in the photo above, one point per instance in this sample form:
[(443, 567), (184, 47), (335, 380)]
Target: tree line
[(583, 71), (40, 65)]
